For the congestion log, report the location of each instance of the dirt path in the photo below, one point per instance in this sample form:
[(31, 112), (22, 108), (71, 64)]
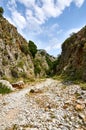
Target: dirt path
[(52, 106)]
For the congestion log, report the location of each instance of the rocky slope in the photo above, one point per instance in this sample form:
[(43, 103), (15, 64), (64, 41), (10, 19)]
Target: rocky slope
[(73, 58), (16, 60), (43, 63), (48, 105)]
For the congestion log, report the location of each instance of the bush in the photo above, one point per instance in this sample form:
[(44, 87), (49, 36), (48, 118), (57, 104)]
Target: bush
[(20, 64), (25, 49), (37, 68), (16, 56), (24, 75), (4, 89), (32, 48), (14, 73), (1, 11), (4, 62), (49, 62)]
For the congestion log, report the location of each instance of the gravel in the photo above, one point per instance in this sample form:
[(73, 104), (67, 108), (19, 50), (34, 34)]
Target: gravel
[(51, 106)]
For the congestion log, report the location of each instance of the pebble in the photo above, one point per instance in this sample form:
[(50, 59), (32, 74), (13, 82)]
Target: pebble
[(61, 110)]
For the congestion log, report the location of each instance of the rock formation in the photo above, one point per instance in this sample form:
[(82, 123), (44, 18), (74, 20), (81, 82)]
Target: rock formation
[(73, 58), (16, 59)]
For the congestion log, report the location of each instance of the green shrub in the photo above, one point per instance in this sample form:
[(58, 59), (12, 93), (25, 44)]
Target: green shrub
[(32, 48), (83, 86), (1, 11), (14, 73), (4, 89), (16, 56), (20, 64), (42, 53), (50, 63), (25, 49), (56, 63), (37, 68), (23, 74), (4, 62)]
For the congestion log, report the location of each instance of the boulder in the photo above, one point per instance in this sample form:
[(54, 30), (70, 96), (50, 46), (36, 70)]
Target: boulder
[(7, 84), (79, 107), (19, 84)]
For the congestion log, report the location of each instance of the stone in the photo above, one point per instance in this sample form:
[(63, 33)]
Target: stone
[(82, 116), (7, 83), (79, 107), (19, 84)]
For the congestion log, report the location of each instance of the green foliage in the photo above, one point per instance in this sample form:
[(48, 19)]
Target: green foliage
[(4, 89), (14, 73), (1, 11), (42, 53), (25, 49), (56, 63), (4, 62), (16, 56), (83, 86), (23, 75), (50, 63), (37, 68), (20, 64), (32, 48)]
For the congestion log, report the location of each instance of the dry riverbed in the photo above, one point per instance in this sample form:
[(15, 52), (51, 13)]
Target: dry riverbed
[(48, 105)]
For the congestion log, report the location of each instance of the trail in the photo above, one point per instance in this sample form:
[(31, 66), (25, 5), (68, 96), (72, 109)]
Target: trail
[(51, 107)]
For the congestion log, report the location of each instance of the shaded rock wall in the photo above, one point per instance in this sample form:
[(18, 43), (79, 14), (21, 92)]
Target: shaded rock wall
[(73, 57), (15, 58)]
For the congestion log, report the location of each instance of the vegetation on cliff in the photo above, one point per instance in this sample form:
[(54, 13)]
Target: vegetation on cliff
[(73, 58)]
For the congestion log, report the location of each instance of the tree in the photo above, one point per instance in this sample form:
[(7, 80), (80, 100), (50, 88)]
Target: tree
[(32, 48), (1, 11)]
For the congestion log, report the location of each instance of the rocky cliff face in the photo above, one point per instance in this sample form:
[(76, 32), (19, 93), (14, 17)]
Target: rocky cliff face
[(73, 57), (43, 64), (15, 58)]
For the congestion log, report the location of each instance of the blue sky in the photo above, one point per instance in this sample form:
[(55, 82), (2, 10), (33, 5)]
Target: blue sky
[(46, 22)]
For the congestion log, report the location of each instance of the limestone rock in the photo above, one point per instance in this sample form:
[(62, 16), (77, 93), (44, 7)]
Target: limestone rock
[(15, 58), (79, 107), (7, 84), (73, 57), (43, 63), (19, 84)]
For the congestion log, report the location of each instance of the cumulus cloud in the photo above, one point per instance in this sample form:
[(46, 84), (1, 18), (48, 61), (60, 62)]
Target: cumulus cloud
[(34, 15), (39, 11), (44, 9), (53, 45), (79, 3), (16, 17)]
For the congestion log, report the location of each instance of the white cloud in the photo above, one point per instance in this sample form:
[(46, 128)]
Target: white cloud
[(18, 19), (39, 11), (79, 3), (53, 45), (35, 14), (72, 30), (11, 5)]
